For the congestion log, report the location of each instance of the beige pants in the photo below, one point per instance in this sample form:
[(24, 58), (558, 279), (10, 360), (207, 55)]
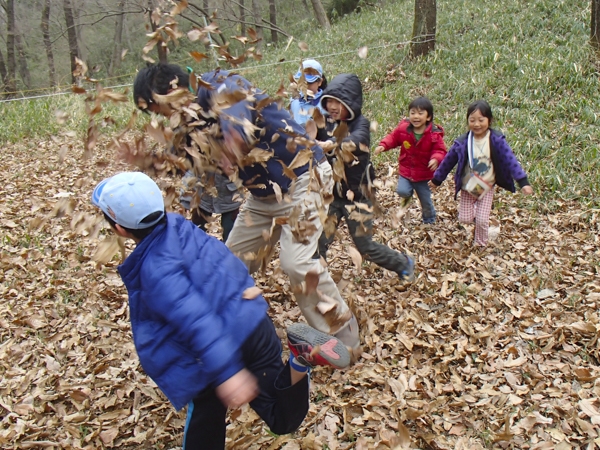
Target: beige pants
[(253, 243)]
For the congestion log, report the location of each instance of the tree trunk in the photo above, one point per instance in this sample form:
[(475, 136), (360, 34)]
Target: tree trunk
[(10, 82), (273, 20), (3, 73), (242, 18), (115, 61), (160, 47), (320, 14), (257, 21), (77, 6), (72, 36), (47, 43), (22, 60), (595, 28), (423, 39)]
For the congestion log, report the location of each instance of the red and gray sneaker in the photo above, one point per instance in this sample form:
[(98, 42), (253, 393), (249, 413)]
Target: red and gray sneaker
[(314, 348)]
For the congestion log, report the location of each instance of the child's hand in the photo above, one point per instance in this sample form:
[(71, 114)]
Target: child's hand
[(527, 190), (379, 149), (432, 186), (433, 164), (238, 390)]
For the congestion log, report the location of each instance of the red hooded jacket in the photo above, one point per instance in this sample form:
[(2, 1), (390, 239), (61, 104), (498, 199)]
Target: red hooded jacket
[(415, 156)]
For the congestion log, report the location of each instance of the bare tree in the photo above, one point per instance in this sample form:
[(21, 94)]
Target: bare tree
[(320, 14), (47, 44), (595, 25), (257, 20), (22, 59), (72, 36), (242, 18), (10, 83), (424, 28), (3, 73), (115, 61), (162, 49), (273, 19)]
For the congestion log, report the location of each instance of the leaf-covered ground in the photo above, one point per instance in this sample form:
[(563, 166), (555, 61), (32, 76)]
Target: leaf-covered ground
[(486, 349)]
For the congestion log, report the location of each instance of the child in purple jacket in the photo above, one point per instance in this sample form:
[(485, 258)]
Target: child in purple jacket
[(483, 159)]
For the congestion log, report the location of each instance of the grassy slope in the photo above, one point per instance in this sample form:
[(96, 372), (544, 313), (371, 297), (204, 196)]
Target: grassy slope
[(530, 60)]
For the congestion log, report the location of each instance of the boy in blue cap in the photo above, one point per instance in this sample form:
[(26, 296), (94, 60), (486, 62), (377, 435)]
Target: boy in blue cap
[(199, 324)]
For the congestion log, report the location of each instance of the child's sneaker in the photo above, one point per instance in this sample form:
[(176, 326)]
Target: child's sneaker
[(408, 274), (314, 348)]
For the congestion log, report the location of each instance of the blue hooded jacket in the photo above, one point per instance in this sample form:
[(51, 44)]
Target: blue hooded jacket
[(188, 317), (271, 120)]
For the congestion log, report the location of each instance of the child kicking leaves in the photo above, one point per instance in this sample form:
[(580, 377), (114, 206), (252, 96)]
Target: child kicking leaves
[(200, 326)]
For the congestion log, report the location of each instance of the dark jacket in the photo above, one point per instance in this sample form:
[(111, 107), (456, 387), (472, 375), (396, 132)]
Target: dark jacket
[(347, 89), (188, 317), (506, 166), (274, 126), (414, 156), (220, 195)]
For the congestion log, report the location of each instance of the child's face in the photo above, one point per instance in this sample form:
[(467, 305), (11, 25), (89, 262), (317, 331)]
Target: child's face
[(336, 109), (478, 124), (418, 118), (314, 86)]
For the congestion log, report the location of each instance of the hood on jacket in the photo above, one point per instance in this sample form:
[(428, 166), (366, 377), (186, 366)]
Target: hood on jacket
[(347, 89)]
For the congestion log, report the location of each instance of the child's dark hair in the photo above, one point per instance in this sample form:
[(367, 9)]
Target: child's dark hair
[(483, 107), (141, 234), (324, 83), (157, 78), (423, 104)]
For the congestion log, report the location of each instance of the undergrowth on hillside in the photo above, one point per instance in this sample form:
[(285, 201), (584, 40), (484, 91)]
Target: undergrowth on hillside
[(530, 60)]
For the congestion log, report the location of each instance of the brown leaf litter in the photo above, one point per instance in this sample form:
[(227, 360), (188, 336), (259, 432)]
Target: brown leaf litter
[(494, 348)]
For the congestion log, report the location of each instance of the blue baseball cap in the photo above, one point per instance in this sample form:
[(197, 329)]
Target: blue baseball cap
[(312, 71), (128, 198)]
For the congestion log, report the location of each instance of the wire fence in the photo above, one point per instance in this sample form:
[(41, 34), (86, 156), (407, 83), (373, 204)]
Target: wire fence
[(64, 90)]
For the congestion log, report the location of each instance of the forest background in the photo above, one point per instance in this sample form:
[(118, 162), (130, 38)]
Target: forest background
[(492, 349)]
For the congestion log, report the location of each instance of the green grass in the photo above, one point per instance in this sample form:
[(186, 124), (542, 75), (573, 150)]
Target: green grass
[(530, 60)]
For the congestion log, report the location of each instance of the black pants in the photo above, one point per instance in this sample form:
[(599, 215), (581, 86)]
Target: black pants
[(200, 218), (283, 407), (360, 225)]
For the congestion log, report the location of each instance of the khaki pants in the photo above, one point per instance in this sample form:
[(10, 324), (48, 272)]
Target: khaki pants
[(247, 240)]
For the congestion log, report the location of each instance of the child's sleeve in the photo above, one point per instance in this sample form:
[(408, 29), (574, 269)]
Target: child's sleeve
[(516, 170), (361, 137), (394, 139), (438, 148), (448, 163)]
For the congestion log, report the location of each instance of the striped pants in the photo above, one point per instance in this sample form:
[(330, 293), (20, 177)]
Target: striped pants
[(471, 209)]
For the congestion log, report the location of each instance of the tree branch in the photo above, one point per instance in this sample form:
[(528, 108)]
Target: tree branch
[(106, 16), (269, 25)]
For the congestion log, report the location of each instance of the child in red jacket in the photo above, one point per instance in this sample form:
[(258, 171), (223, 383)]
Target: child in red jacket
[(422, 149)]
